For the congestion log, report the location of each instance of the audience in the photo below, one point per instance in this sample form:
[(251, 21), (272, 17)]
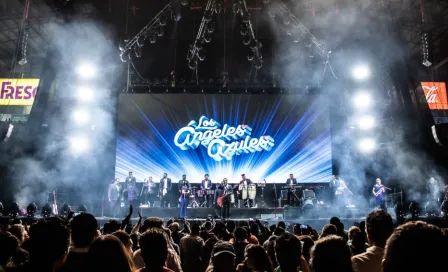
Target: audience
[(415, 247), (191, 250), (331, 253), (62, 244), (107, 253), (379, 227)]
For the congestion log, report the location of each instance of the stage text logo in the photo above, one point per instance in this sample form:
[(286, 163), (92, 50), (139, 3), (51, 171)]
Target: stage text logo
[(222, 142)]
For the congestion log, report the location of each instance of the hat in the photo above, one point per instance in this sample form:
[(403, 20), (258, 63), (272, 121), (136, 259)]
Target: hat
[(243, 174), (223, 247)]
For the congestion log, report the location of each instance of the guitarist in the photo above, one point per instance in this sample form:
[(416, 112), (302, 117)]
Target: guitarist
[(291, 182), (184, 194), (223, 202), (379, 191)]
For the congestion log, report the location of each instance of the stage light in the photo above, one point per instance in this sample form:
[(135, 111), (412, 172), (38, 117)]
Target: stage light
[(31, 209), (236, 7), (443, 208), (82, 208), (366, 122), (399, 212), (84, 94), (65, 210), (1, 208), (81, 116), (47, 210), (184, 2), (361, 72), (367, 145), (14, 209), (86, 70), (79, 144), (362, 100), (414, 208)]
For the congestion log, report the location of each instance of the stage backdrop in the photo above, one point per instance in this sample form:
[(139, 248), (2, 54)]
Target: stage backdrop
[(265, 136)]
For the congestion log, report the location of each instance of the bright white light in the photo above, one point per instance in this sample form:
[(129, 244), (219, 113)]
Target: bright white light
[(366, 122), (81, 117), (361, 72), (84, 94), (86, 71), (79, 144), (367, 145), (362, 100)]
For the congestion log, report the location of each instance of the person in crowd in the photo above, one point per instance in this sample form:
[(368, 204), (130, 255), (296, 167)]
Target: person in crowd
[(351, 232), (191, 250), (84, 230), (288, 252), (125, 240), (257, 259), (135, 237), (223, 258), (415, 246), (331, 253), (107, 253), (307, 244), (240, 244), (208, 247), (154, 251), (8, 245), (297, 230), (358, 245), (379, 227), (340, 227), (176, 234), (19, 232), (221, 231), (111, 226), (48, 246), (328, 230)]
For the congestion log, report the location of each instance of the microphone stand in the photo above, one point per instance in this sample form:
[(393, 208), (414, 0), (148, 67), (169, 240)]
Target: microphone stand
[(275, 195)]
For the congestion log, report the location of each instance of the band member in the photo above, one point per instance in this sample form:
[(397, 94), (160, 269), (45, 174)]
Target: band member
[(291, 182), (226, 190), (433, 188), (379, 192), (244, 185), (113, 195), (184, 193), (129, 179), (132, 193), (150, 192), (165, 190), (206, 185)]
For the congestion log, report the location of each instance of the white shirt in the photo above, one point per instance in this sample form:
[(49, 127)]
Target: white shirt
[(290, 181)]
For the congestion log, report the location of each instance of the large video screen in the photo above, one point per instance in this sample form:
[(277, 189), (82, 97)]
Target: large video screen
[(267, 137)]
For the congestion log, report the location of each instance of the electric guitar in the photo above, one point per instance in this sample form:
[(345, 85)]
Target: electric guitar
[(54, 205), (220, 200)]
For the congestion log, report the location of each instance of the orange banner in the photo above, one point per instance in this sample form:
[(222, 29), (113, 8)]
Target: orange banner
[(435, 93)]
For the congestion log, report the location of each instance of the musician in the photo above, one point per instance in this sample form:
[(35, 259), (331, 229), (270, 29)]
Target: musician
[(291, 182), (129, 179), (379, 192), (132, 193), (184, 194), (244, 182), (150, 192), (165, 190), (207, 185), (113, 195), (226, 190)]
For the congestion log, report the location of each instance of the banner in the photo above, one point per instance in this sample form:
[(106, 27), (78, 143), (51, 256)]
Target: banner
[(18, 91), (435, 93)]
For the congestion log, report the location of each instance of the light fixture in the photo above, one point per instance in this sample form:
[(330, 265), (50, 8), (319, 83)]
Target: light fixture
[(366, 122), (84, 94), (367, 145), (81, 117), (47, 210), (361, 72), (86, 71), (79, 144), (362, 100), (31, 209)]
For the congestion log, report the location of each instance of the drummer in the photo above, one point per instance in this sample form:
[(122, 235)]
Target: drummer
[(244, 185), (206, 187)]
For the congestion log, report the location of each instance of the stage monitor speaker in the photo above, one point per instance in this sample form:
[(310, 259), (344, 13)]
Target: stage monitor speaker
[(309, 194)]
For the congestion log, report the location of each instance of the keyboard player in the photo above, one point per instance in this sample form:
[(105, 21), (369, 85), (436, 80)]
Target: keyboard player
[(291, 182)]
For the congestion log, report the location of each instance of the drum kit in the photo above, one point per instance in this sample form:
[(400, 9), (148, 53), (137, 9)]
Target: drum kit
[(199, 194)]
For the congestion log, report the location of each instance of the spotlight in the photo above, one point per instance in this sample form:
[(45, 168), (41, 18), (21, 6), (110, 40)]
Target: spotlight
[(399, 212), (1, 208), (86, 71), (366, 122), (184, 2), (160, 31), (246, 17), (247, 40), (211, 27), (177, 15), (251, 55), (207, 37), (163, 21), (244, 30), (258, 63), (414, 208), (192, 65), (361, 72), (82, 208), (65, 210), (14, 209), (265, 2), (81, 116), (236, 7), (443, 208), (201, 55), (362, 100), (47, 210), (79, 144), (367, 145), (31, 209), (153, 38)]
